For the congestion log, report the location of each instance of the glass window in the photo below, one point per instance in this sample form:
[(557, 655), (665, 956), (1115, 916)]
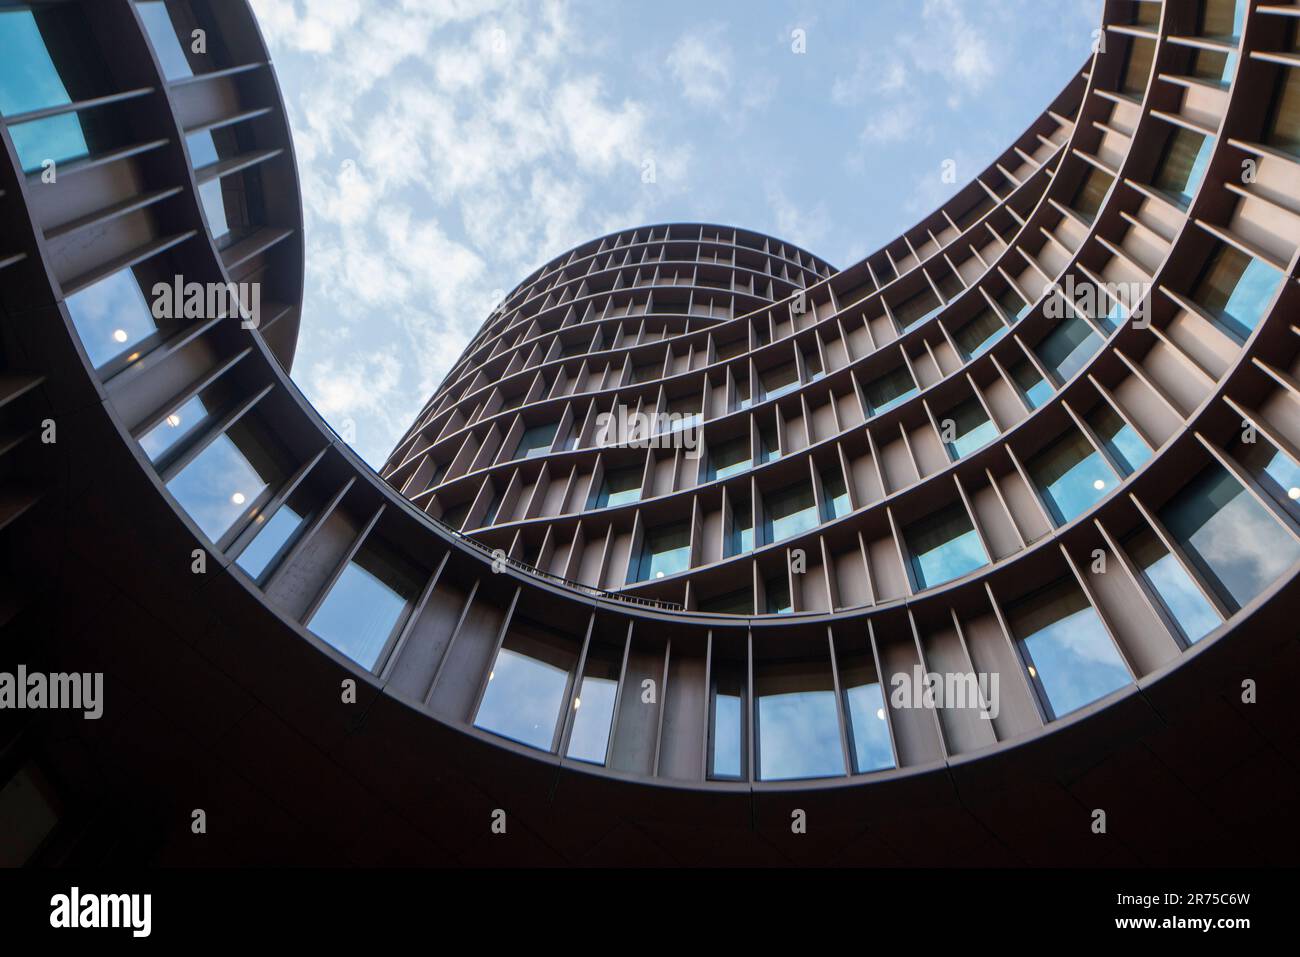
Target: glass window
[(593, 714), (683, 413), (214, 207), (203, 149), (111, 317), (971, 428), (798, 727), (619, 487), (1091, 192), (726, 721), (889, 390), (777, 590), (58, 138), (739, 602), (490, 512), (975, 338), (1166, 578), (666, 551), (173, 431), (1216, 66), (1012, 305), (536, 441), (221, 484), (835, 495), (769, 447), (1137, 68), (813, 366), (1233, 541), (365, 605), (1033, 386), (1284, 121), (780, 380), (1071, 476), (729, 458), (277, 534), (1072, 659), (1276, 470), (1066, 349), (917, 309), (1222, 19), (29, 80), (1183, 163), (164, 40), (943, 546), (741, 539), (1237, 289), (526, 688), (1121, 440), (789, 512), (868, 725), (455, 515)]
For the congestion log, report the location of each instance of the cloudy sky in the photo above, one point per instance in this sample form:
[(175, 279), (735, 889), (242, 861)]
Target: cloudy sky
[(449, 147)]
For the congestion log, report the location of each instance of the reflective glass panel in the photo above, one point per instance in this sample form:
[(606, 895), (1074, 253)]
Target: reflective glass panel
[(221, 484), (798, 728), (523, 699), (365, 604), (944, 546), (1121, 439), (111, 317), (1071, 657), (1235, 543), (790, 511), (666, 551), (1067, 347), (971, 428), (868, 723), (1190, 610), (1237, 289), (1072, 476)]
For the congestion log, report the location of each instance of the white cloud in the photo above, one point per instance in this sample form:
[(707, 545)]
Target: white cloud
[(700, 62)]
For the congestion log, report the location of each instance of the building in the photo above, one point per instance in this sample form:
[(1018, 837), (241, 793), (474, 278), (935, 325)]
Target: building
[(1042, 446)]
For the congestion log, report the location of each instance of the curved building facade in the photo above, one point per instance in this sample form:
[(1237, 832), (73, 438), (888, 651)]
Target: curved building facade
[(944, 549)]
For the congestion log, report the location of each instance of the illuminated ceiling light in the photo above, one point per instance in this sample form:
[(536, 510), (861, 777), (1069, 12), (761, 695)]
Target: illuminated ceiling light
[(577, 703), (173, 420), (1099, 485), (1033, 673), (238, 498), (119, 335), (1293, 493), (659, 574), (880, 713)]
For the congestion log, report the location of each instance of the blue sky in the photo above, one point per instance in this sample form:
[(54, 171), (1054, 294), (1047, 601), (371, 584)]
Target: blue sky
[(449, 147)]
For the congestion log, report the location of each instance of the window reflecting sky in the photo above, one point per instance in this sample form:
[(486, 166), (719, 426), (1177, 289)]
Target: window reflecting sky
[(1075, 660), (111, 316), (798, 735), (943, 547), (871, 747), (217, 486), (1234, 541), (363, 607), (523, 699), (1072, 476)]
